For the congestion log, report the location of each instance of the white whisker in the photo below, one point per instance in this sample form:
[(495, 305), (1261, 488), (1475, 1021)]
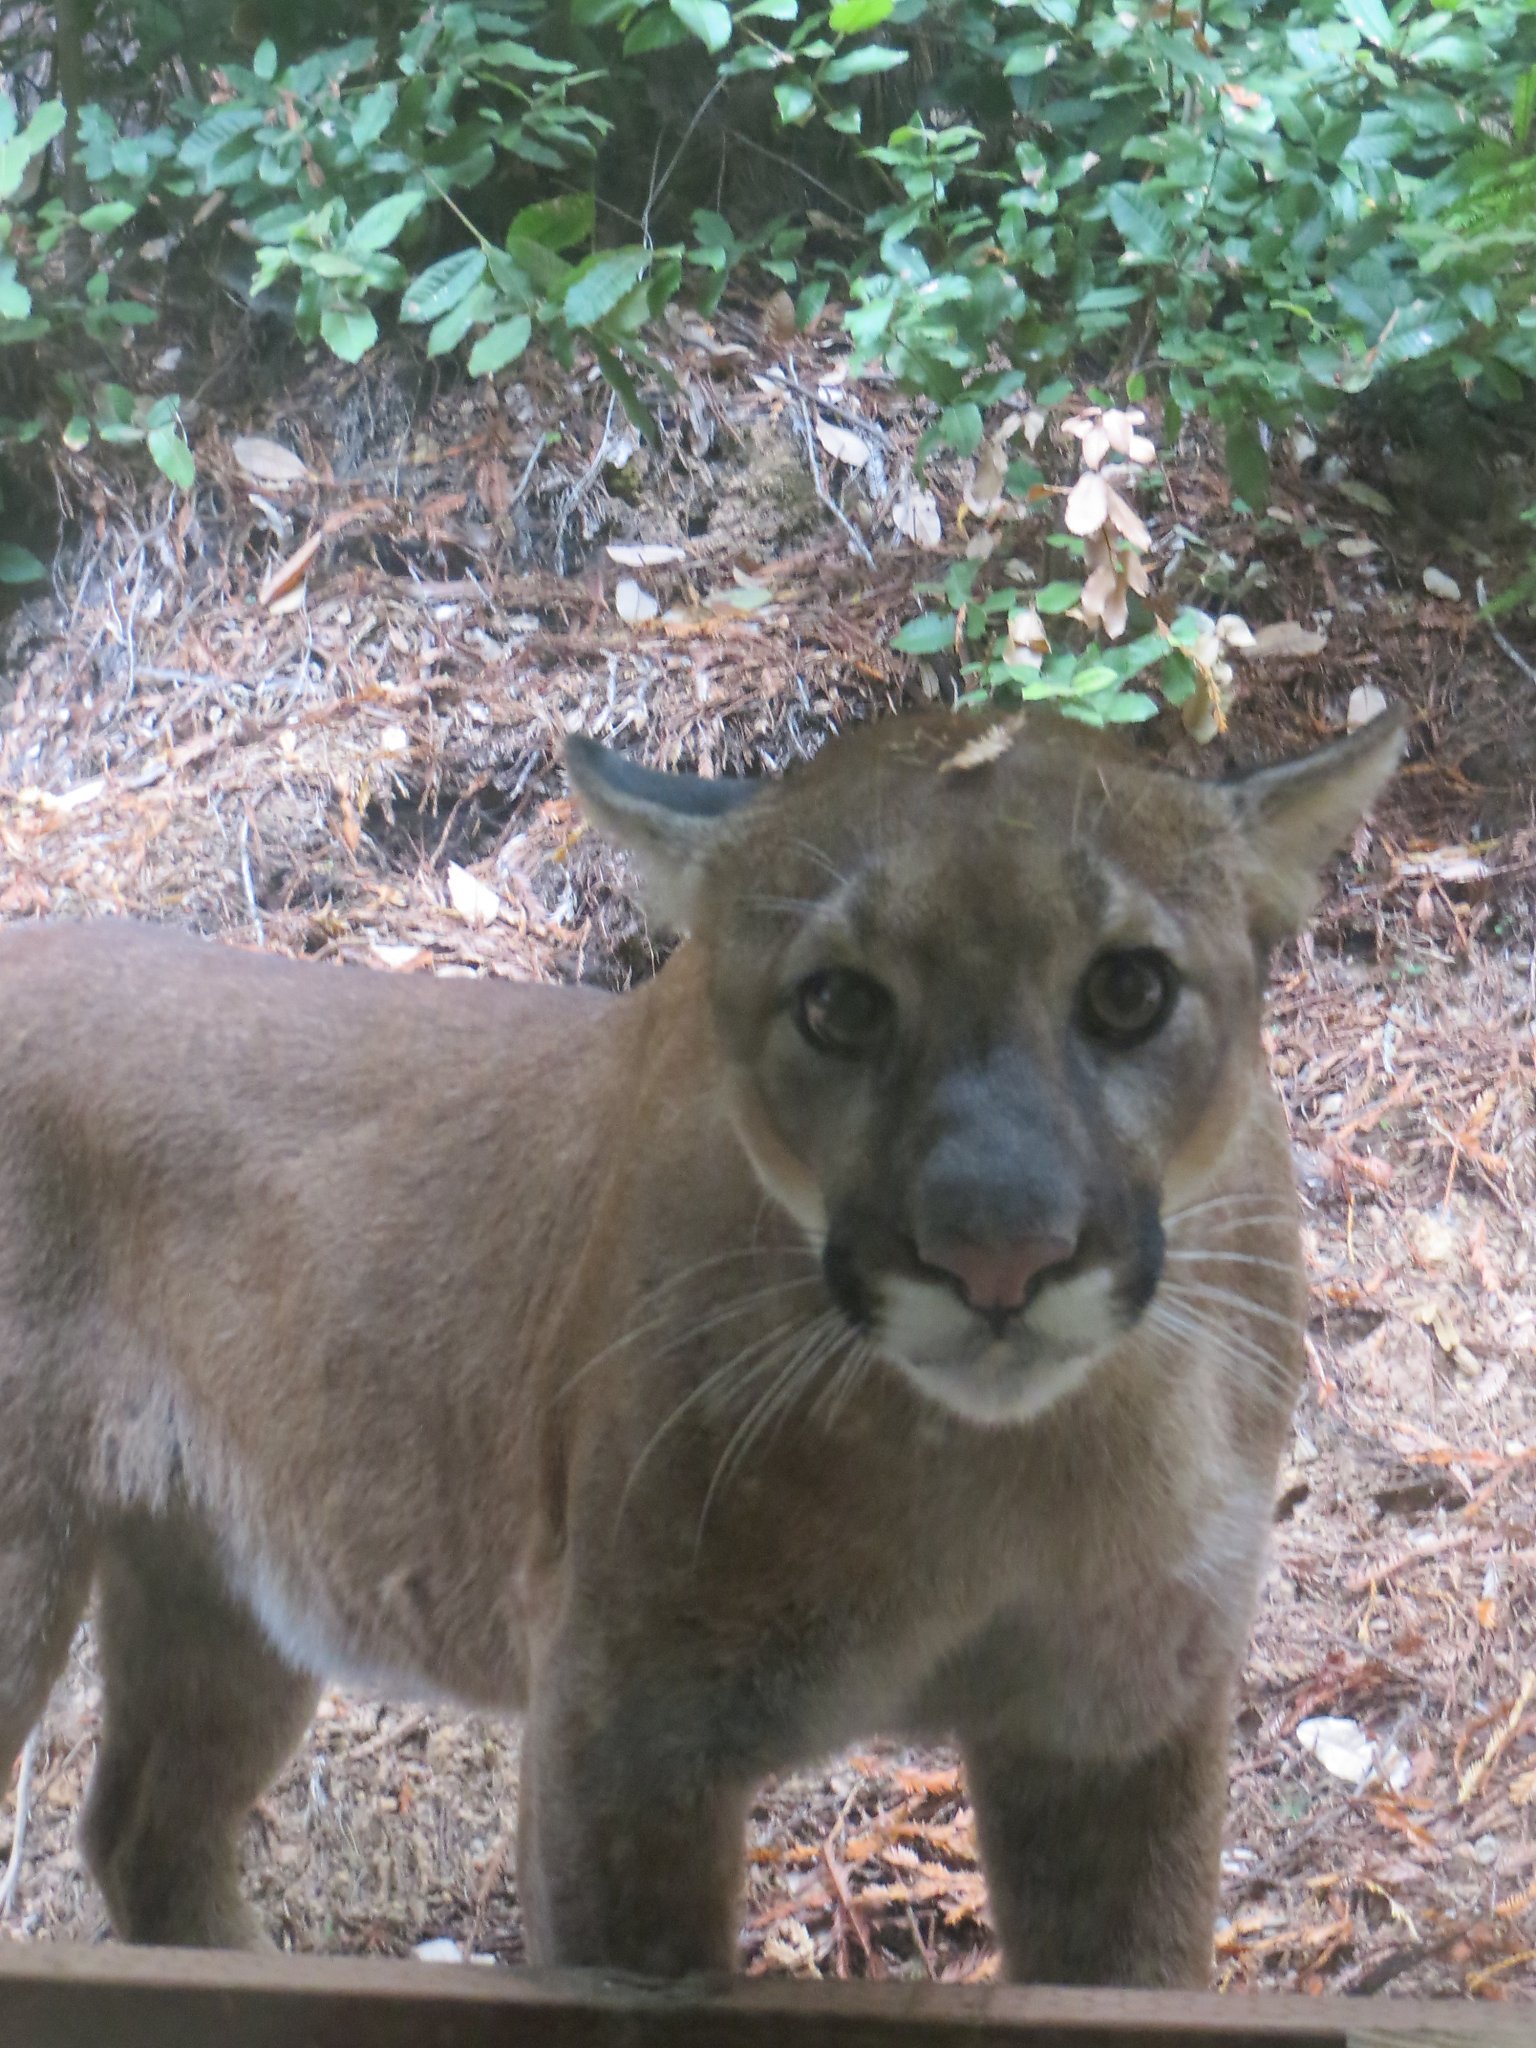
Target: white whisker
[(1193, 1257)]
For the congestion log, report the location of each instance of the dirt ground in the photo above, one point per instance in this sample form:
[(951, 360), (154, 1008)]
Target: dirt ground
[(318, 711)]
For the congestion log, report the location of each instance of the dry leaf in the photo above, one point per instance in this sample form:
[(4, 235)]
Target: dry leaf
[(987, 746), (1087, 503), (289, 573), (268, 462), (1447, 864), (915, 514), (984, 492), (842, 444), (1438, 584), (1287, 641), (1127, 520), (1120, 430), (1365, 703), (351, 826), (398, 959), (1026, 630), (649, 554), (1034, 425), (779, 320), (633, 604), (1202, 713), (1356, 548), (476, 903), (1099, 592)]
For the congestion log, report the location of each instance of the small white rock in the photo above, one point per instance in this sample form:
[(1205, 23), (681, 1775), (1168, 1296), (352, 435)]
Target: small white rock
[(1341, 1746), (1365, 703), (1438, 584)]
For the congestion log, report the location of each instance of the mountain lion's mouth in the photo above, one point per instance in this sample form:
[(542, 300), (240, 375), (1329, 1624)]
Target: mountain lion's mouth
[(987, 1367)]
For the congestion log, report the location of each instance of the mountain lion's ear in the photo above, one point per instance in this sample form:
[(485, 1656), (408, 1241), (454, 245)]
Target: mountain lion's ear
[(1294, 816), (667, 822)]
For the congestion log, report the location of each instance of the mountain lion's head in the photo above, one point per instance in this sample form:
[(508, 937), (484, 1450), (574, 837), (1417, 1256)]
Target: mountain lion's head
[(986, 994)]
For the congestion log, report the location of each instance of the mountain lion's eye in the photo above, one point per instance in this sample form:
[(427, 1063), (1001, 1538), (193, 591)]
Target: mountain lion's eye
[(841, 1012), (1126, 996)]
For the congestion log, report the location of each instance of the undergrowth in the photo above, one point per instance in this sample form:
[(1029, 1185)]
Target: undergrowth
[(1244, 211)]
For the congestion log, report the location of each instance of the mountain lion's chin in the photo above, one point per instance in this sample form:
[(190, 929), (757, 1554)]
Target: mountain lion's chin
[(954, 1357)]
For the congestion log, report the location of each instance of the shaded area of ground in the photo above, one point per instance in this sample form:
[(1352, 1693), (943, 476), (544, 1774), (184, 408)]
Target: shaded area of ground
[(320, 713)]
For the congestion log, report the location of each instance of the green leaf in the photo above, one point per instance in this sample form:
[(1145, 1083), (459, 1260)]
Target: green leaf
[(18, 151), (441, 286), (658, 29), (1127, 707), (19, 565), (852, 17), (110, 214), (709, 20), (501, 345), (929, 633), (480, 304), (796, 103), (862, 62), (1523, 106), (77, 433), (1057, 597), (636, 411), (348, 331), (172, 456), (378, 227), (598, 285), (1026, 59), (264, 63), (1372, 20), (960, 428), (555, 223), (813, 297), (1144, 230), (1247, 464)]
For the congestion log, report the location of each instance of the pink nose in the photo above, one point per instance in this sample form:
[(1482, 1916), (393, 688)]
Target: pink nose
[(997, 1277)]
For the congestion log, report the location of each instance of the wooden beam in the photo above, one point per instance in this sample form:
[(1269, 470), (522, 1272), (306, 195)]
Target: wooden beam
[(55, 1995)]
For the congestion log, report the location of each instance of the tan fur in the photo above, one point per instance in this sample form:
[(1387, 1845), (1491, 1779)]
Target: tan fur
[(475, 1339)]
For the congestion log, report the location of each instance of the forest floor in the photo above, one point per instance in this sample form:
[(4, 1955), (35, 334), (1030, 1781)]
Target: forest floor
[(316, 707)]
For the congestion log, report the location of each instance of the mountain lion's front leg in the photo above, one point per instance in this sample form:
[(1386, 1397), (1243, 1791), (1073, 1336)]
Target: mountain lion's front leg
[(629, 1839), (1104, 1872)]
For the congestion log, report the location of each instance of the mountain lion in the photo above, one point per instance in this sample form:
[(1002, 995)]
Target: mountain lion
[(886, 1319)]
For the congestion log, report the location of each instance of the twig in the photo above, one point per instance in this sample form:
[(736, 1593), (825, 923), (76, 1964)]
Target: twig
[(1476, 1773), (776, 156), (12, 1876), (582, 485), (1377, 1575), (855, 1919), (808, 432), (520, 488), (783, 373), (388, 1738), (659, 185), (1498, 639), (249, 880)]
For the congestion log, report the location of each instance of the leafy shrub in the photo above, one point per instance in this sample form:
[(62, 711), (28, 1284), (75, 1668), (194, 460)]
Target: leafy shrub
[(1250, 209)]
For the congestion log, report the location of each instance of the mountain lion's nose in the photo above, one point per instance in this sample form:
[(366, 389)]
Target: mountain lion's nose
[(995, 1279)]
